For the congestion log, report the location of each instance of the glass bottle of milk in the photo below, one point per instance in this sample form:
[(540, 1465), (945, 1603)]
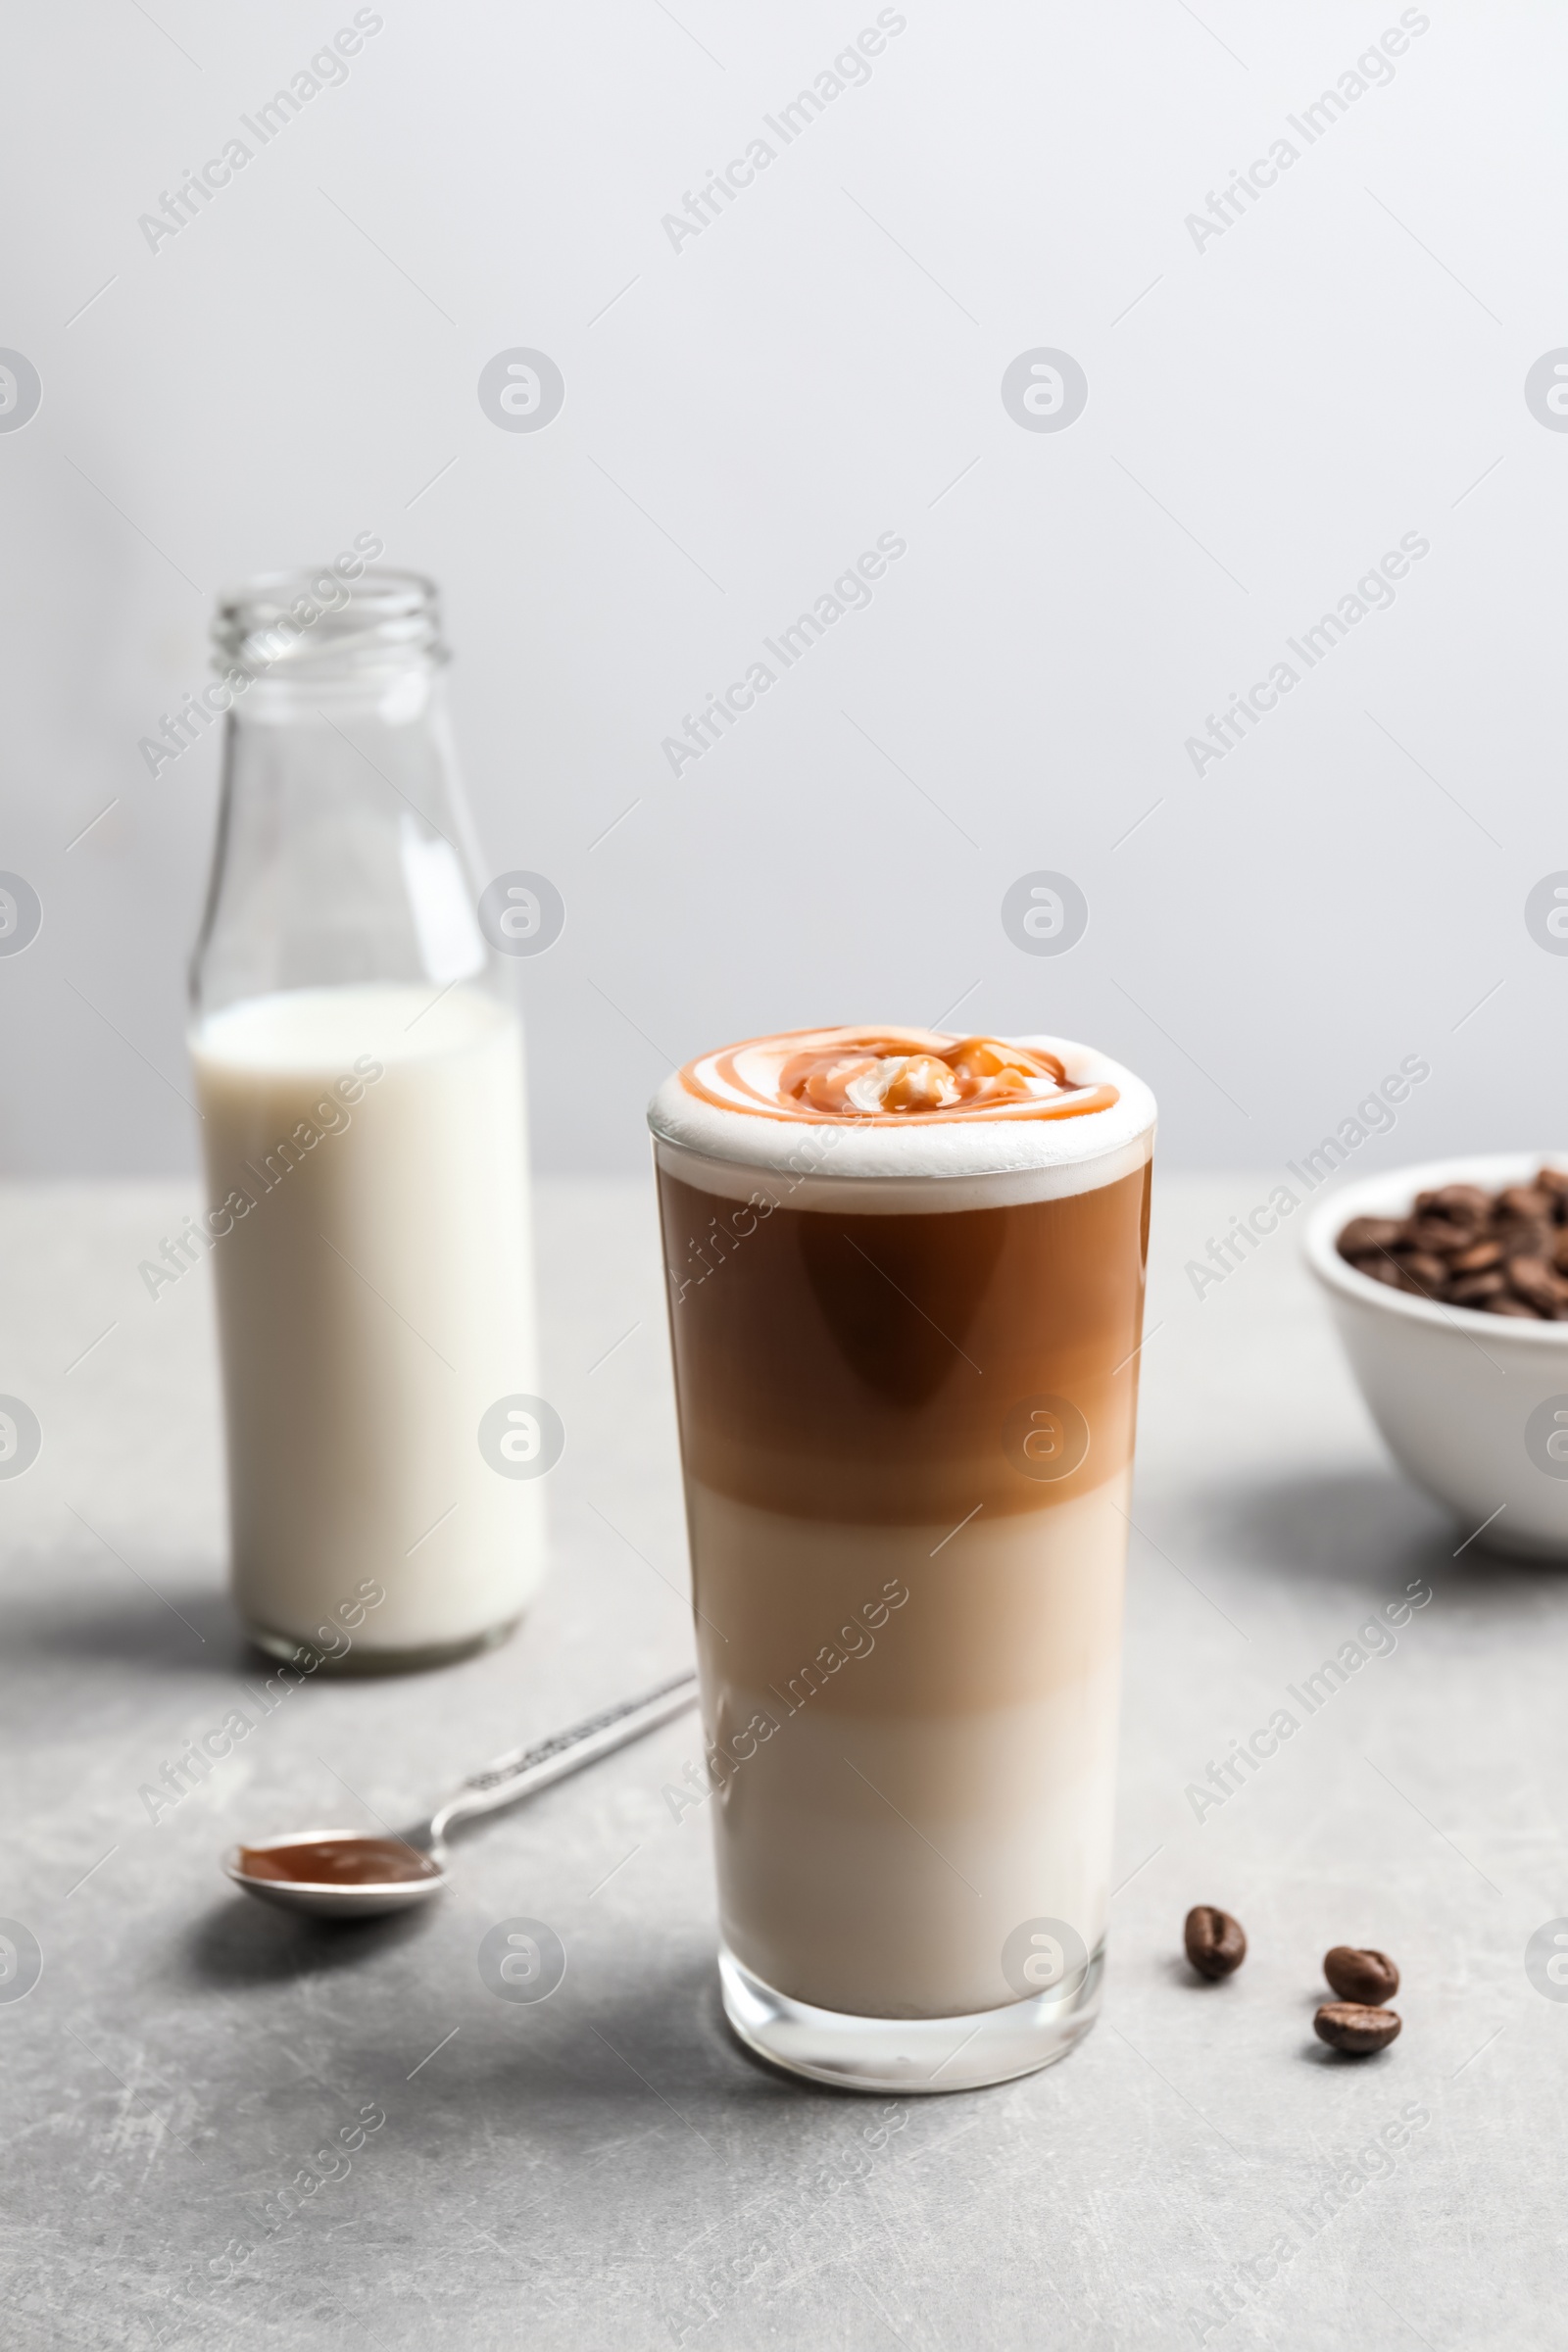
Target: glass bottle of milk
[(359, 1079)]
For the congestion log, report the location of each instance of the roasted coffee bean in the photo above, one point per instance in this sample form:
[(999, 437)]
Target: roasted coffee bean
[(1215, 1943), (1534, 1282), (1480, 1257), (1437, 1237), (1361, 1976), (1464, 1201), (1457, 1232), (1471, 1288), (1351, 2027), (1363, 1235), (1530, 1239)]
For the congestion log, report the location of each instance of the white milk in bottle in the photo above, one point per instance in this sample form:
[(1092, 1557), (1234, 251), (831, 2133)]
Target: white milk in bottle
[(359, 1079)]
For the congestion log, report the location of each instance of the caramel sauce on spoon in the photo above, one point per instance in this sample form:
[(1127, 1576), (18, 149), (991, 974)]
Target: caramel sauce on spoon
[(338, 1862)]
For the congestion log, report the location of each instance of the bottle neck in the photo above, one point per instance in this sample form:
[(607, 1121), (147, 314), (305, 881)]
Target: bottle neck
[(388, 695), (344, 854), (346, 618)]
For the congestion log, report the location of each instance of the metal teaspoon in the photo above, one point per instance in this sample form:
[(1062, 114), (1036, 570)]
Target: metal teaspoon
[(342, 1874)]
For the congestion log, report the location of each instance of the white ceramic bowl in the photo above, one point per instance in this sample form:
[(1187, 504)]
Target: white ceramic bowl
[(1474, 1407)]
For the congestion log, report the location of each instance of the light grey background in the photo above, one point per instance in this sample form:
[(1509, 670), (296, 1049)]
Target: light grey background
[(1266, 415)]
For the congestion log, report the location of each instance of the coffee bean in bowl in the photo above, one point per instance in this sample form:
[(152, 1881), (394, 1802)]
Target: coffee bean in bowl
[(1496, 1253), (1368, 1977), (1355, 2029), (1449, 1285), (1215, 1943)]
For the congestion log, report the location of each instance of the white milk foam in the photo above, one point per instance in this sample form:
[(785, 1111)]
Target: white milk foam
[(887, 1164)]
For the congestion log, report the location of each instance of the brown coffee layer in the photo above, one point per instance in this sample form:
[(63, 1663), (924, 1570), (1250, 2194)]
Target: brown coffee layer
[(899, 1369)]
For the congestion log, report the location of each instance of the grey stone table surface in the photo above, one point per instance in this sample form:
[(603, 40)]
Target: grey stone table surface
[(606, 2168)]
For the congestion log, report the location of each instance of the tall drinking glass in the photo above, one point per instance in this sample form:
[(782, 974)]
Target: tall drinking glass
[(906, 1297)]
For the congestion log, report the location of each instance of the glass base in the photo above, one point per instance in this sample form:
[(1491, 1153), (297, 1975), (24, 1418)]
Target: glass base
[(358, 1658), (906, 2054)]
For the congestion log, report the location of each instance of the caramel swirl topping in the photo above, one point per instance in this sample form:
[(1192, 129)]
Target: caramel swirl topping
[(911, 1075)]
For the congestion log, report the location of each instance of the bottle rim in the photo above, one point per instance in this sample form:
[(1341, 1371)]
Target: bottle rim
[(314, 620)]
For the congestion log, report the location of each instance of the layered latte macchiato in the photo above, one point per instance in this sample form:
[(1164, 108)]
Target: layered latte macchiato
[(906, 1277)]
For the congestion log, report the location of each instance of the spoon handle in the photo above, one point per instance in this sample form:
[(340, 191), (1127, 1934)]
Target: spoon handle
[(522, 1771)]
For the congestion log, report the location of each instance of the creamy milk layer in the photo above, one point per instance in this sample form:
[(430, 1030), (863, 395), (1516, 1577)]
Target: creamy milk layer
[(364, 1154), (940, 1769)]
